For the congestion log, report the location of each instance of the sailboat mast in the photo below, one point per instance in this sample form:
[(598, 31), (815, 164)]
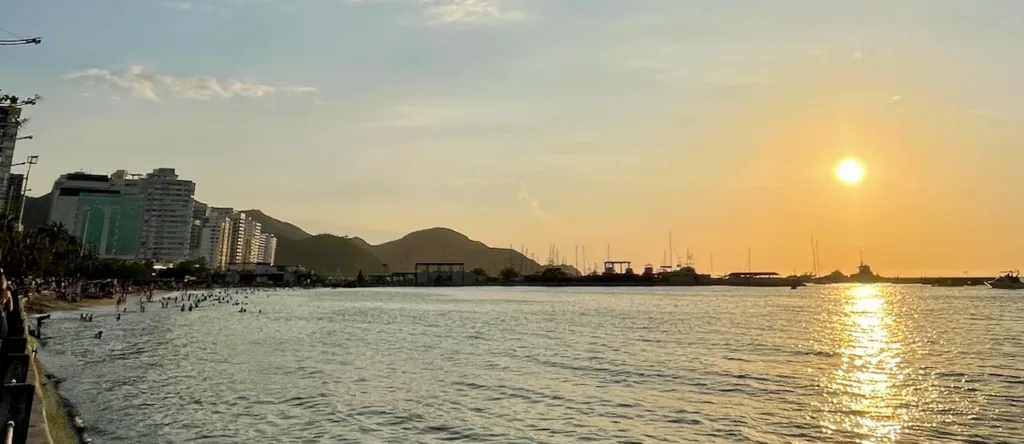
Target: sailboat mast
[(670, 256), (817, 255), (814, 259)]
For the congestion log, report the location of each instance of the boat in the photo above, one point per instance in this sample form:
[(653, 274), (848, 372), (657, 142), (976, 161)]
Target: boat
[(864, 275), (1010, 280), (759, 279)]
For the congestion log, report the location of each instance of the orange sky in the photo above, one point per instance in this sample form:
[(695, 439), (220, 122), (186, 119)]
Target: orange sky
[(532, 122)]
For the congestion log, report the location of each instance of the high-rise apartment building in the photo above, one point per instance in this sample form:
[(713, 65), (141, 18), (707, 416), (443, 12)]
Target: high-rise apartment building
[(253, 241), (230, 237), (214, 240), (127, 215), (236, 236), (14, 196), (269, 249), (166, 215), (10, 117), (97, 210)]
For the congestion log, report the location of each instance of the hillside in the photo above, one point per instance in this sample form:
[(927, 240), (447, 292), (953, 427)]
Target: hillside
[(37, 211), (332, 255), (328, 255), (446, 245), (281, 229)]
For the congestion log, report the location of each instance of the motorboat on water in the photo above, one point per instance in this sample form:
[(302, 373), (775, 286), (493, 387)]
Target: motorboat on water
[(1010, 280)]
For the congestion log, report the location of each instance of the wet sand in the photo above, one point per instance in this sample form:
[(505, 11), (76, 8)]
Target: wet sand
[(47, 301)]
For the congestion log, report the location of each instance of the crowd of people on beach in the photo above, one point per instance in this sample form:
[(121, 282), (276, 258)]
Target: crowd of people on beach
[(189, 300)]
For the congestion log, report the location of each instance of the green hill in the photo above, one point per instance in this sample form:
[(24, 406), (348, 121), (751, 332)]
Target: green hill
[(447, 245), (37, 211), (332, 255), (328, 255), (281, 229)]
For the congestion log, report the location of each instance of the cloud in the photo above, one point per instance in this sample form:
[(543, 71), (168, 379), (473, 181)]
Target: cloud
[(139, 82), (457, 11), (524, 196), (896, 98)]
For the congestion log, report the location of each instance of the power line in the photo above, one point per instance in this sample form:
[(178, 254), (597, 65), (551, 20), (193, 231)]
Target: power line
[(11, 33)]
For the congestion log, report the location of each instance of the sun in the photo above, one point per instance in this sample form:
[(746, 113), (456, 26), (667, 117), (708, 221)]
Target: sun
[(850, 171)]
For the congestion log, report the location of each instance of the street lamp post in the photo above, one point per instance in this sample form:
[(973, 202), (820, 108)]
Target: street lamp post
[(31, 160)]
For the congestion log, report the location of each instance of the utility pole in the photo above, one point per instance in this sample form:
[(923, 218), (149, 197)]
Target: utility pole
[(11, 122), (31, 160)]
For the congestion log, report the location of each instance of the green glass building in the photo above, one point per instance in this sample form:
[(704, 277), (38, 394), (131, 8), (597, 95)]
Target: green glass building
[(108, 223)]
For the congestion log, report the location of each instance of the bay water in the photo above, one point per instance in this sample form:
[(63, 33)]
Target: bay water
[(841, 363)]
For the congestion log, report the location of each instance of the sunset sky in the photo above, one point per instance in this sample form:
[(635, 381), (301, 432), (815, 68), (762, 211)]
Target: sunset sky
[(573, 122)]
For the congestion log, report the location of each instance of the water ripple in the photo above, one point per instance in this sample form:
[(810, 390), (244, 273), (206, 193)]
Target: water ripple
[(869, 364)]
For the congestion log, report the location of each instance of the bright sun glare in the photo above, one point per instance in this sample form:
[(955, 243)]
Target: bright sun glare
[(850, 171)]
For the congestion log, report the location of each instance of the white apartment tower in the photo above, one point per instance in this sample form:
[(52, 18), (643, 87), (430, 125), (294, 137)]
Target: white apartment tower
[(236, 241), (269, 248), (253, 241), (166, 215), (214, 240)]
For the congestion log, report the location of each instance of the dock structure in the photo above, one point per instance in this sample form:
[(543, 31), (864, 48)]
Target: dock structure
[(441, 273), (618, 267)]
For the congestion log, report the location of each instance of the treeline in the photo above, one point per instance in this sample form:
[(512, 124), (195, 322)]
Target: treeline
[(50, 251)]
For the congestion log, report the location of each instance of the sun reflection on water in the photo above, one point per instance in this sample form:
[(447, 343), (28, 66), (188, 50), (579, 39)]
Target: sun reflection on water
[(862, 394)]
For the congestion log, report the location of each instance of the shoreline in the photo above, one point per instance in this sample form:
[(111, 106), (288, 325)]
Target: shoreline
[(41, 303), (58, 414)]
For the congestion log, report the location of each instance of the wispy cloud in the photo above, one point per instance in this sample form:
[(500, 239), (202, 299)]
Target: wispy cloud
[(141, 83), (524, 196), (457, 11)]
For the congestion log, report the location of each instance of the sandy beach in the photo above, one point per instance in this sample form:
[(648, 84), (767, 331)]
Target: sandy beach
[(47, 301)]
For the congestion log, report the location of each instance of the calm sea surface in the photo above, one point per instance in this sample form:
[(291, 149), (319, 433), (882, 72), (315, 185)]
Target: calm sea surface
[(871, 364)]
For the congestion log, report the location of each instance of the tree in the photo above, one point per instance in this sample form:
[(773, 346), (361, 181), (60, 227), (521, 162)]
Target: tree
[(508, 274), (480, 272)]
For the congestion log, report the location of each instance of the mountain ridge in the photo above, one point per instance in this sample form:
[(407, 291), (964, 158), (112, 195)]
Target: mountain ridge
[(333, 255)]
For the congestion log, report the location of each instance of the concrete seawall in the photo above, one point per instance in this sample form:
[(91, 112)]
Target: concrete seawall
[(48, 422)]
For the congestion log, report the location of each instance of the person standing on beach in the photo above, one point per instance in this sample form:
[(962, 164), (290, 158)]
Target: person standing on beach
[(6, 302)]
